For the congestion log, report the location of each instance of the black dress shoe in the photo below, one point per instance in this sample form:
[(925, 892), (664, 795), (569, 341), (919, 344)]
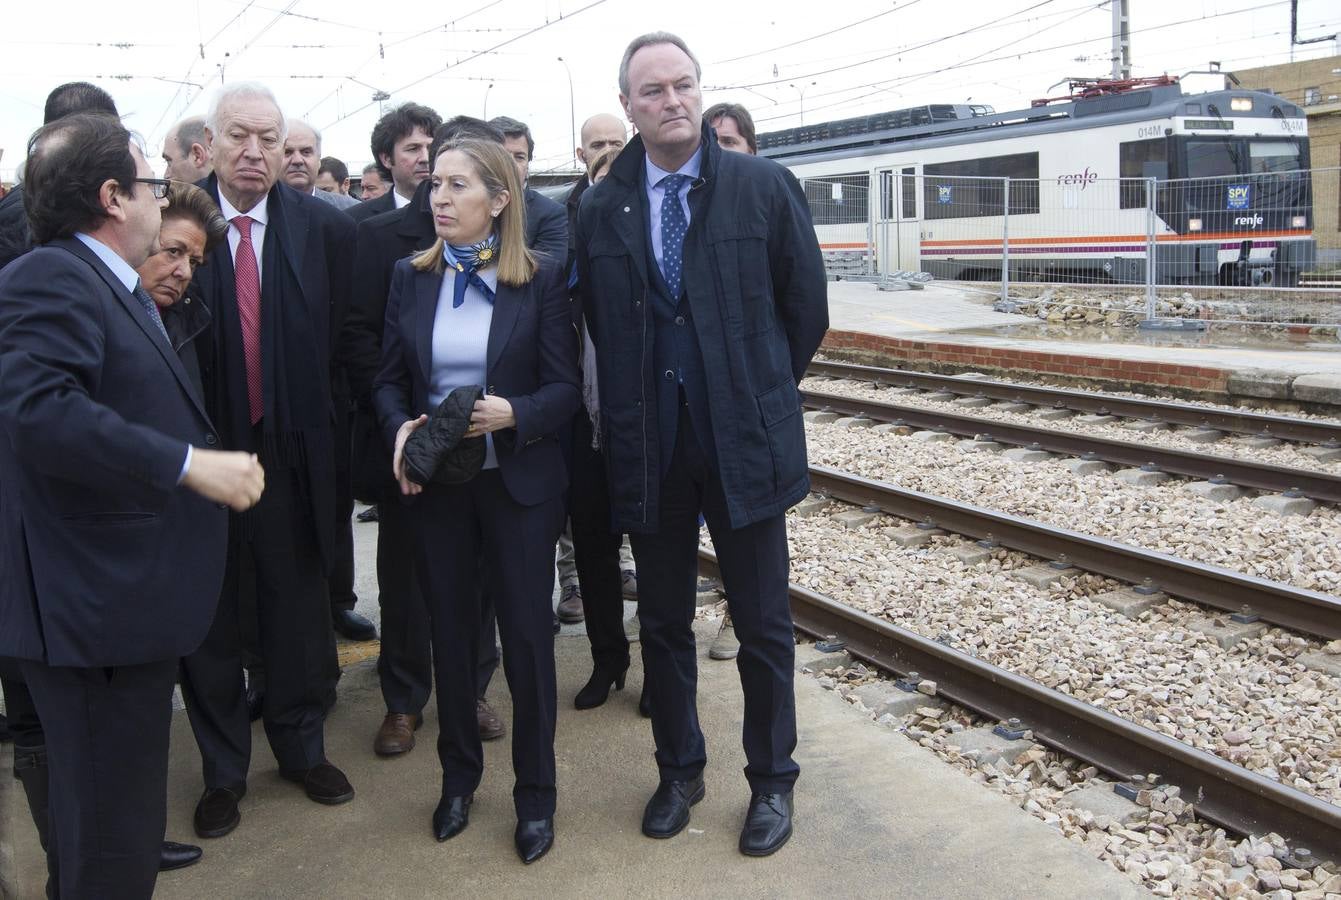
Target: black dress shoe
[(768, 824), (323, 783), (216, 811), (452, 816), (177, 856), (597, 689), (534, 837), (667, 813), (645, 703), (353, 626)]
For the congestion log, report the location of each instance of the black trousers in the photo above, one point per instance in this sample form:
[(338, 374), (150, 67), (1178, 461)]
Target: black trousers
[(405, 667), (754, 563), (296, 642), (107, 749), (596, 551), (473, 532), (342, 572)]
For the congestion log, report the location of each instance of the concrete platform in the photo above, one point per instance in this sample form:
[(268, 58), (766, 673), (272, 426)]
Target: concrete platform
[(877, 815), (956, 326)]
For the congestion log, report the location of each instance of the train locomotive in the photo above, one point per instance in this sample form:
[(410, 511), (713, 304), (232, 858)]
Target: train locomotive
[(925, 189)]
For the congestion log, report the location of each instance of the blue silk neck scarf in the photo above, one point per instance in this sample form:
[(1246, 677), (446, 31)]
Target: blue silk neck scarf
[(467, 261)]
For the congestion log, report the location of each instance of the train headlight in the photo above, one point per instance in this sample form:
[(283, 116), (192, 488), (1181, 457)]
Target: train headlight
[(1299, 222), (1193, 224), (1241, 104)]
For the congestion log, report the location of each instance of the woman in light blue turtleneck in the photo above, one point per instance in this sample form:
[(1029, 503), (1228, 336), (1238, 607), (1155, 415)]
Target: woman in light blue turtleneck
[(477, 308)]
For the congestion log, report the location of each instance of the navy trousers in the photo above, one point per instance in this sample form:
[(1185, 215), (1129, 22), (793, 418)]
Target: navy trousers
[(476, 532), (296, 643), (405, 666), (107, 749), (754, 563)]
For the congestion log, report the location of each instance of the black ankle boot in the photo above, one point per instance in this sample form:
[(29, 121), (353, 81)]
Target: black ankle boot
[(597, 689)]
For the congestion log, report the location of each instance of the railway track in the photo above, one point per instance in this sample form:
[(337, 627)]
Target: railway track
[(1309, 612), (1230, 421), (1210, 467), (1223, 792)]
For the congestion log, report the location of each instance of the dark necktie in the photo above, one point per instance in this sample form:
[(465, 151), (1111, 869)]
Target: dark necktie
[(150, 309), (673, 226), (247, 275)]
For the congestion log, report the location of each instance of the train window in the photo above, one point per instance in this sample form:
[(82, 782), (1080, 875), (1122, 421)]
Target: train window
[(1273, 156), (1209, 158), (909, 194), (838, 199), (1132, 159), (970, 188)]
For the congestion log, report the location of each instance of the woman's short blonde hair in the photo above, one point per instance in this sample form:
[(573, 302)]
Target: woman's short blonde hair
[(516, 263)]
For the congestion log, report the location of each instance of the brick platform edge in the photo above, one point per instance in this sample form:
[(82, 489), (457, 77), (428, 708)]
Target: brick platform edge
[(1256, 387)]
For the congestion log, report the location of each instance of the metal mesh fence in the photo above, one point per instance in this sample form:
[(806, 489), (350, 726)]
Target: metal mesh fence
[(840, 207), (1259, 247)]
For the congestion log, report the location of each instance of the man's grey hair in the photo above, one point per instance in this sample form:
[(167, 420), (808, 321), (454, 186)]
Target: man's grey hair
[(372, 167), (188, 131), (243, 90), (648, 40), (316, 135)]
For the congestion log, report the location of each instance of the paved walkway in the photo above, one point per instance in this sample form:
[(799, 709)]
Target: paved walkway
[(877, 816), (964, 315)]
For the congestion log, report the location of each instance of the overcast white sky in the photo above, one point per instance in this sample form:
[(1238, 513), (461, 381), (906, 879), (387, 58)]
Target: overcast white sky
[(325, 58)]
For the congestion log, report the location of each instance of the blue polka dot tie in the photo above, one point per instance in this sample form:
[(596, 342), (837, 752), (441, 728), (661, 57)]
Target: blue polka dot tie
[(673, 226)]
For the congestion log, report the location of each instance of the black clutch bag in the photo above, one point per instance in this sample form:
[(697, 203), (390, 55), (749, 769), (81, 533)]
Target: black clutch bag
[(439, 451)]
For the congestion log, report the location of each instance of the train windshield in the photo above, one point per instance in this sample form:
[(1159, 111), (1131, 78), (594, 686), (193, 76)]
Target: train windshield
[(1209, 158), (1213, 157), (1273, 156)]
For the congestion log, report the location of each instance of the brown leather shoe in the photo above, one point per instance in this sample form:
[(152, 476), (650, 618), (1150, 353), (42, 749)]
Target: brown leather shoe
[(396, 736), (570, 605), (491, 726)]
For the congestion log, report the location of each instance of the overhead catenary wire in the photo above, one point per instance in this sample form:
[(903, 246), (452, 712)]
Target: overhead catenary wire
[(537, 29), (900, 80), (867, 62), (815, 37)]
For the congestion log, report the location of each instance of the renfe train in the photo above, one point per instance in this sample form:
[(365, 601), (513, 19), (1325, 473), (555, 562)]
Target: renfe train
[(1232, 202)]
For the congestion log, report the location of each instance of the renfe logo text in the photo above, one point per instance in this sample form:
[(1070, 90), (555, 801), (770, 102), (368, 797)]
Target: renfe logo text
[(1084, 179)]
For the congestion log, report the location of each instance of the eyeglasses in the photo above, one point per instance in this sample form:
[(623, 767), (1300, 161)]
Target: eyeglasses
[(157, 186)]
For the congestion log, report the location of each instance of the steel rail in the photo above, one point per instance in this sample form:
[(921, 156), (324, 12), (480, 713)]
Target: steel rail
[(1221, 791), (1262, 476), (1300, 609), (1232, 421)]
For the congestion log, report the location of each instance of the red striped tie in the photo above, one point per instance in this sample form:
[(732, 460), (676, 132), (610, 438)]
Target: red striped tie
[(248, 278)]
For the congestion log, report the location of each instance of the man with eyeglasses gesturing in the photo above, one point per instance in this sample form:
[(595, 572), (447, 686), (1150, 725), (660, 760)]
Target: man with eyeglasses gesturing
[(112, 506)]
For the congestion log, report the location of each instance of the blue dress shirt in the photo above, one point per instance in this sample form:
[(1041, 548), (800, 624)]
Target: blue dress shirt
[(461, 344)]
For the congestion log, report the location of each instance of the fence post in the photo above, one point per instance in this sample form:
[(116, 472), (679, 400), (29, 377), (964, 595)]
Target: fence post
[(1005, 240), (1150, 249)]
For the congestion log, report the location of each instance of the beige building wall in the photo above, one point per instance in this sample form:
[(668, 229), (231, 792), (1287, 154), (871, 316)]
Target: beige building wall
[(1315, 85)]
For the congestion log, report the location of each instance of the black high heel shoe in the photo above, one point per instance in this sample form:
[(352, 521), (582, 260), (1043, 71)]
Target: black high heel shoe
[(452, 816), (597, 689), (533, 838)]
